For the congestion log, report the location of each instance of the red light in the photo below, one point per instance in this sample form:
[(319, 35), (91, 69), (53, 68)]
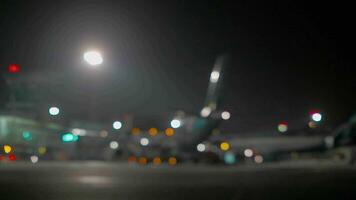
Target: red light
[(12, 157), (314, 111), (284, 123), (2, 157), (13, 68)]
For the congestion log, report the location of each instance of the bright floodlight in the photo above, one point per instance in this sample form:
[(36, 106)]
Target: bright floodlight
[(316, 117), (53, 111), (93, 58), (175, 123), (205, 112), (248, 153), (214, 76), (114, 145), (225, 115), (116, 125), (201, 147), (144, 141)]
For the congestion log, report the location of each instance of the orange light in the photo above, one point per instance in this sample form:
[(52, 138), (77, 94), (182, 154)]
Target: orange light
[(132, 159), (312, 124), (135, 131), (224, 146), (172, 161), (142, 161), (156, 161), (169, 132), (152, 131)]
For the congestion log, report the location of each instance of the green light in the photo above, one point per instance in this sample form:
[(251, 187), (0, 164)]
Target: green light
[(229, 158), (69, 137), (27, 135)]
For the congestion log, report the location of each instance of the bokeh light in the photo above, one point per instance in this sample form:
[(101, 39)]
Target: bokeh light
[(42, 150), (132, 159), (116, 125), (7, 148), (142, 161), (225, 146), (135, 131), (175, 123), (152, 131), (225, 115), (258, 159), (144, 141), (201, 147), (12, 157), (312, 124), (114, 145), (205, 112), (169, 132), (104, 133), (53, 111), (156, 161), (214, 76), (229, 158), (316, 117), (172, 160), (34, 159), (282, 127), (13, 68), (26, 135), (248, 153)]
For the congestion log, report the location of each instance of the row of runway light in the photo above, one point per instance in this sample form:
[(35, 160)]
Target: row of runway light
[(8, 153), (230, 157), (172, 161)]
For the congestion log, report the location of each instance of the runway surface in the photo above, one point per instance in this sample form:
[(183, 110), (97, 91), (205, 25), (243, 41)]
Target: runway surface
[(98, 180)]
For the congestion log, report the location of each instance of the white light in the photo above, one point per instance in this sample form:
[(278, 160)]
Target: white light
[(116, 125), (53, 111), (114, 145), (316, 117), (248, 153), (103, 133), (175, 123), (225, 115), (214, 76), (258, 159), (93, 58), (144, 141), (205, 112), (78, 131), (201, 147), (329, 142), (34, 159)]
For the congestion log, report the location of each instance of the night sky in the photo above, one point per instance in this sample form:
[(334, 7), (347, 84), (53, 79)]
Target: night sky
[(286, 58)]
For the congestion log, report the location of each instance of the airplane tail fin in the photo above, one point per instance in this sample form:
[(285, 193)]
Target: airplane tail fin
[(216, 85)]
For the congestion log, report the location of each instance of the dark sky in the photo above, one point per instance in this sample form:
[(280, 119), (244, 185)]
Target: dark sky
[(286, 58)]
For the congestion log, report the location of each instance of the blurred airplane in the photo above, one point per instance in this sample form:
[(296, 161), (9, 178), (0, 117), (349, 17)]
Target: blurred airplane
[(188, 130)]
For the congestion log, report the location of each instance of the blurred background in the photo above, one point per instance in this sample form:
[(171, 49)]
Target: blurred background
[(176, 82)]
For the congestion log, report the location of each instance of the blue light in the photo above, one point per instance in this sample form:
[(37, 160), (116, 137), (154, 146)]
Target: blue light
[(69, 137), (229, 158)]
